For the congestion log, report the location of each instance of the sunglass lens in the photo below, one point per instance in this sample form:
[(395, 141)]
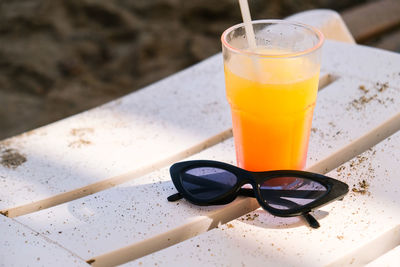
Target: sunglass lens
[(278, 194), (208, 183)]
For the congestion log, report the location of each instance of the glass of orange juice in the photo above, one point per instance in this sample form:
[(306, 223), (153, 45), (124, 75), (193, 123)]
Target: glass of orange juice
[(272, 90)]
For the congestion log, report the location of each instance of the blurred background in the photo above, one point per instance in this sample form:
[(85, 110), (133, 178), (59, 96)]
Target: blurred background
[(60, 57)]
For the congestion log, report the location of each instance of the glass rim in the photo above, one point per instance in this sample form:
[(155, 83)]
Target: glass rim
[(313, 29)]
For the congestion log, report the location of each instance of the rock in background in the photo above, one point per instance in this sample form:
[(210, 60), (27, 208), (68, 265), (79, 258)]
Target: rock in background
[(60, 57)]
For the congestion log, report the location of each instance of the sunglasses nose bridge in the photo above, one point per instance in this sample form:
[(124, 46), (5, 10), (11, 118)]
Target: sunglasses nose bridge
[(244, 179)]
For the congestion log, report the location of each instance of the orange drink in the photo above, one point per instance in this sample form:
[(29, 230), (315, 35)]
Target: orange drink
[(272, 93)]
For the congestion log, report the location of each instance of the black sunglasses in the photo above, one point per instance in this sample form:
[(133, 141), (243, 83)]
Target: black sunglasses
[(283, 193)]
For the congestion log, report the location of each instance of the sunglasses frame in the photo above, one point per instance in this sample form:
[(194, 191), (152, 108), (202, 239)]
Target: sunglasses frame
[(335, 188)]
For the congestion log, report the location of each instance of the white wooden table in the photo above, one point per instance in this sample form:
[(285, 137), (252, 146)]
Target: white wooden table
[(92, 188)]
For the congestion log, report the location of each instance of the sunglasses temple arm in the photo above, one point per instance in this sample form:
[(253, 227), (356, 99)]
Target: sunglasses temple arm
[(311, 220), (175, 197), (281, 193), (243, 192)]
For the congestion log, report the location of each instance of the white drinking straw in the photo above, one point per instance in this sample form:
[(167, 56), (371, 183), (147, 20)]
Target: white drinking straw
[(248, 27), (251, 39)]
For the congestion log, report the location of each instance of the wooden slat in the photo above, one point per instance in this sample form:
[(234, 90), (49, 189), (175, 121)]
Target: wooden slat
[(365, 21), (136, 216), (365, 225), (21, 246)]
